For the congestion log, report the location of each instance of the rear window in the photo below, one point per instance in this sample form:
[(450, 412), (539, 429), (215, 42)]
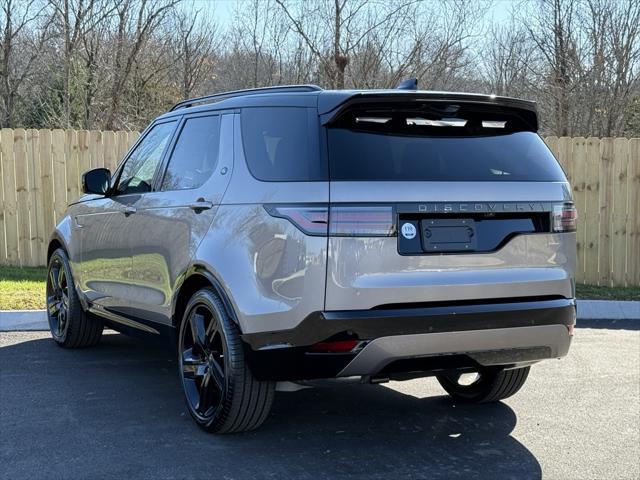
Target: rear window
[(450, 145), (281, 144)]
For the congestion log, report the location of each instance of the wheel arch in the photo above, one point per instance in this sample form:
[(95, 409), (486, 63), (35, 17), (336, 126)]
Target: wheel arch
[(56, 241), (194, 279)]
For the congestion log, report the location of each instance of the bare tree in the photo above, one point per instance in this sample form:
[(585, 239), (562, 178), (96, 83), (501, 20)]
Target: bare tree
[(195, 38), (136, 22), (24, 31), (74, 19)]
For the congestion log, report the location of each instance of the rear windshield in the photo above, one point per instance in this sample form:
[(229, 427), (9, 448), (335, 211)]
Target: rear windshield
[(413, 146), (281, 144)]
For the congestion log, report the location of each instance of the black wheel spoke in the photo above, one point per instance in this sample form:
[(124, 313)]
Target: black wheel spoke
[(217, 374), (61, 277), (205, 394), (202, 361), (53, 304), (192, 366), (198, 331), (53, 279), (62, 320)]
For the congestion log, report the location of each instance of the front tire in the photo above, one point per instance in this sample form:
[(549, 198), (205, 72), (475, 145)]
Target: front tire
[(221, 393), (490, 385), (70, 325)]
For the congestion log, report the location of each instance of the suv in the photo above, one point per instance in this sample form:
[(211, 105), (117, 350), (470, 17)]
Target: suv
[(292, 234)]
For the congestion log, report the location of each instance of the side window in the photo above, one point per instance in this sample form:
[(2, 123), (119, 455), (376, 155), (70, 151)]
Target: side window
[(282, 144), (195, 155), (137, 173)]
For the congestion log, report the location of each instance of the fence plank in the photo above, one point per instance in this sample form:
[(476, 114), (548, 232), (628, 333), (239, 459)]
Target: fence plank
[(552, 143), (579, 160), (618, 215), (10, 198), (36, 226), (605, 201), (122, 144), (565, 156), (592, 205), (58, 148), (3, 246), (96, 149), (84, 157), (71, 164), (109, 148), (633, 219), (22, 195), (46, 167)]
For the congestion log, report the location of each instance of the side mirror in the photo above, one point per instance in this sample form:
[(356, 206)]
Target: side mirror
[(96, 181)]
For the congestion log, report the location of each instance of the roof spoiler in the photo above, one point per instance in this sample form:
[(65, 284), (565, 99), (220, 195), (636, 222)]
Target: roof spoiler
[(331, 108)]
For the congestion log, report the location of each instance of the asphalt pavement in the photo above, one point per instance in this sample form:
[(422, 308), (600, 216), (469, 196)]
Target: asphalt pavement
[(116, 411)]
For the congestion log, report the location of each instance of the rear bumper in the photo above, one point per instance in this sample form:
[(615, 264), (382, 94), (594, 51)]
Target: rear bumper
[(487, 333), (503, 346)]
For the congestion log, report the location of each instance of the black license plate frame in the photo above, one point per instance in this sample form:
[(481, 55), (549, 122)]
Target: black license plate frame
[(447, 235)]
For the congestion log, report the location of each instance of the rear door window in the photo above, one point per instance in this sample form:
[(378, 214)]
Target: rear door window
[(424, 146), (281, 144), (195, 155)]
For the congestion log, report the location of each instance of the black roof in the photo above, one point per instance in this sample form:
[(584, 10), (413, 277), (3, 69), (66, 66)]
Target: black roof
[(329, 100)]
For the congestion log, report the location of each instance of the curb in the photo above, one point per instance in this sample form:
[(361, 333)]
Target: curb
[(608, 310), (23, 320), (591, 313)]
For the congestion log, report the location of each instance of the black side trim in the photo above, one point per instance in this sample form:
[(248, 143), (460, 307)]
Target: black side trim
[(371, 324)]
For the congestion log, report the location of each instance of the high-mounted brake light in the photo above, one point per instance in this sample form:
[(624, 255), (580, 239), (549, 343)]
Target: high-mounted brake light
[(564, 217), (361, 221)]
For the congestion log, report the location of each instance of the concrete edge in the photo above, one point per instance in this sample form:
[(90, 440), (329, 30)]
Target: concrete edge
[(23, 320), (590, 312)]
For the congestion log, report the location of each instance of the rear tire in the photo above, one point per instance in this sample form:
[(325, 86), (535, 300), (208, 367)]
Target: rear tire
[(221, 393), (70, 325), (491, 385)]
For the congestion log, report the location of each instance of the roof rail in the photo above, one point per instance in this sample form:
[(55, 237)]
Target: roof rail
[(249, 91)]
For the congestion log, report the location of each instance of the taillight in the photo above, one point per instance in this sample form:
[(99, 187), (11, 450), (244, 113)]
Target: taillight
[(361, 221), (312, 220), (339, 220), (564, 218)]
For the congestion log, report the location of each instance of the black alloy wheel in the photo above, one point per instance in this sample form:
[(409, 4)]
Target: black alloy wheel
[(70, 325), (57, 298), (202, 362), (221, 393)]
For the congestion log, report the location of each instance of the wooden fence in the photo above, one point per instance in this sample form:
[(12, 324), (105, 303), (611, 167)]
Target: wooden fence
[(40, 171)]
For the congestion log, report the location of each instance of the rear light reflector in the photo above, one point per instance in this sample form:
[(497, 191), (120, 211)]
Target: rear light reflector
[(340, 346), (565, 218), (361, 221)]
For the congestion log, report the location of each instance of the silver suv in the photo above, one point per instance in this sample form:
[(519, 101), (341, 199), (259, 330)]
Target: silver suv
[(292, 234)]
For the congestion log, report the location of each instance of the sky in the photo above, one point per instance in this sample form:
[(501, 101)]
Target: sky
[(222, 10)]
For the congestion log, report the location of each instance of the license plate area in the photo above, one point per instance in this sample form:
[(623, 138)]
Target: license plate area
[(448, 235)]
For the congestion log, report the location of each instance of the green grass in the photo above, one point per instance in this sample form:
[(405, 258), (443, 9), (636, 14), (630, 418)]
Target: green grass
[(593, 292), (23, 289)]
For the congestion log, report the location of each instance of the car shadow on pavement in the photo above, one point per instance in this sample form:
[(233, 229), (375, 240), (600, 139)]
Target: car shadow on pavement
[(116, 411)]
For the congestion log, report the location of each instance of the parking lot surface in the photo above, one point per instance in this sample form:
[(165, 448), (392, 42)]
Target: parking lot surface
[(116, 411)]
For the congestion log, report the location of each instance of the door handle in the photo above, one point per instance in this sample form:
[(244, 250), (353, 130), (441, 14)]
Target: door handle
[(129, 211), (200, 204)]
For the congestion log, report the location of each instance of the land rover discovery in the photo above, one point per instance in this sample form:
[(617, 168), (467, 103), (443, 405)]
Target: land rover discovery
[(291, 234)]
